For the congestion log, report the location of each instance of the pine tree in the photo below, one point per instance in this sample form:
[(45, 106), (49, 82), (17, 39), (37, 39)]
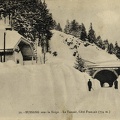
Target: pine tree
[(45, 24), (80, 65), (73, 27), (58, 27), (83, 33), (54, 24), (111, 48), (67, 27), (106, 44), (99, 42), (117, 50), (118, 53), (116, 46), (91, 34)]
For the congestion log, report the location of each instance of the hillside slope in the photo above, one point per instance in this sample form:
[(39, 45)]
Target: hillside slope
[(68, 47)]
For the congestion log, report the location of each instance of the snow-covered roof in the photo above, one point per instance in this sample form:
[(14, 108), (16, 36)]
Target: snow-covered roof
[(106, 64), (11, 39)]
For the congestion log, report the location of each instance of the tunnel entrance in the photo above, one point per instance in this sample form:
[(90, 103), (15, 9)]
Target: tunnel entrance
[(106, 76)]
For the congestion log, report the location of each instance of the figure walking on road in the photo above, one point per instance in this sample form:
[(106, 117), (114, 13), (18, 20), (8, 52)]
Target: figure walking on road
[(89, 85), (116, 84)]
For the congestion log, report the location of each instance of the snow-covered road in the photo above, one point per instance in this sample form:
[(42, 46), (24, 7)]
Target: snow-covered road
[(102, 103)]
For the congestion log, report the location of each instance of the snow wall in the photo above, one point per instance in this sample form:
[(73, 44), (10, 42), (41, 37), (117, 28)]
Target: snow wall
[(41, 88)]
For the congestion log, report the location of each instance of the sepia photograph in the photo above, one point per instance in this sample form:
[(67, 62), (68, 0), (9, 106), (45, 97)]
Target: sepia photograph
[(59, 59)]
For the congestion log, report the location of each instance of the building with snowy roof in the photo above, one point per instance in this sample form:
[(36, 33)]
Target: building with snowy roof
[(15, 47)]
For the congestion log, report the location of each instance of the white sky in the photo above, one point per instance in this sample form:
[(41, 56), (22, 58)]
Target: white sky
[(104, 14)]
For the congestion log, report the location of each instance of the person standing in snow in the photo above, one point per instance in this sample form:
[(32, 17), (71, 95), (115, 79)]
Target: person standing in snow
[(89, 85), (116, 84)]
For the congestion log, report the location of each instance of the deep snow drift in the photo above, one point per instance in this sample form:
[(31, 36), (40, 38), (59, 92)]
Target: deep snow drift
[(41, 88), (54, 88)]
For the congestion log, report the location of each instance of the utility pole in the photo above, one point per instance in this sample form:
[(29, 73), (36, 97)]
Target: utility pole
[(44, 47), (36, 50), (9, 12), (4, 44)]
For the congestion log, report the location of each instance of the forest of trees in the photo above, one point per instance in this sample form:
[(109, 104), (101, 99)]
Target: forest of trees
[(79, 31), (30, 18)]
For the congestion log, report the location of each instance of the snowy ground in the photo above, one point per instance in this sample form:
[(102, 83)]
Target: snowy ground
[(40, 88), (67, 46), (102, 103), (54, 88)]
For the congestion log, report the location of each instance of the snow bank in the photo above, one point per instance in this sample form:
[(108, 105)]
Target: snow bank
[(101, 104), (11, 63), (40, 87)]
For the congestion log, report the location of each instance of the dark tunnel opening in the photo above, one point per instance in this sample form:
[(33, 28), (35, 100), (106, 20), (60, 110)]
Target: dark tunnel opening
[(106, 76)]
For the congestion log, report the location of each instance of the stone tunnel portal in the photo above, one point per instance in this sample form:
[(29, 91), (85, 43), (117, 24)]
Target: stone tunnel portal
[(106, 76)]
